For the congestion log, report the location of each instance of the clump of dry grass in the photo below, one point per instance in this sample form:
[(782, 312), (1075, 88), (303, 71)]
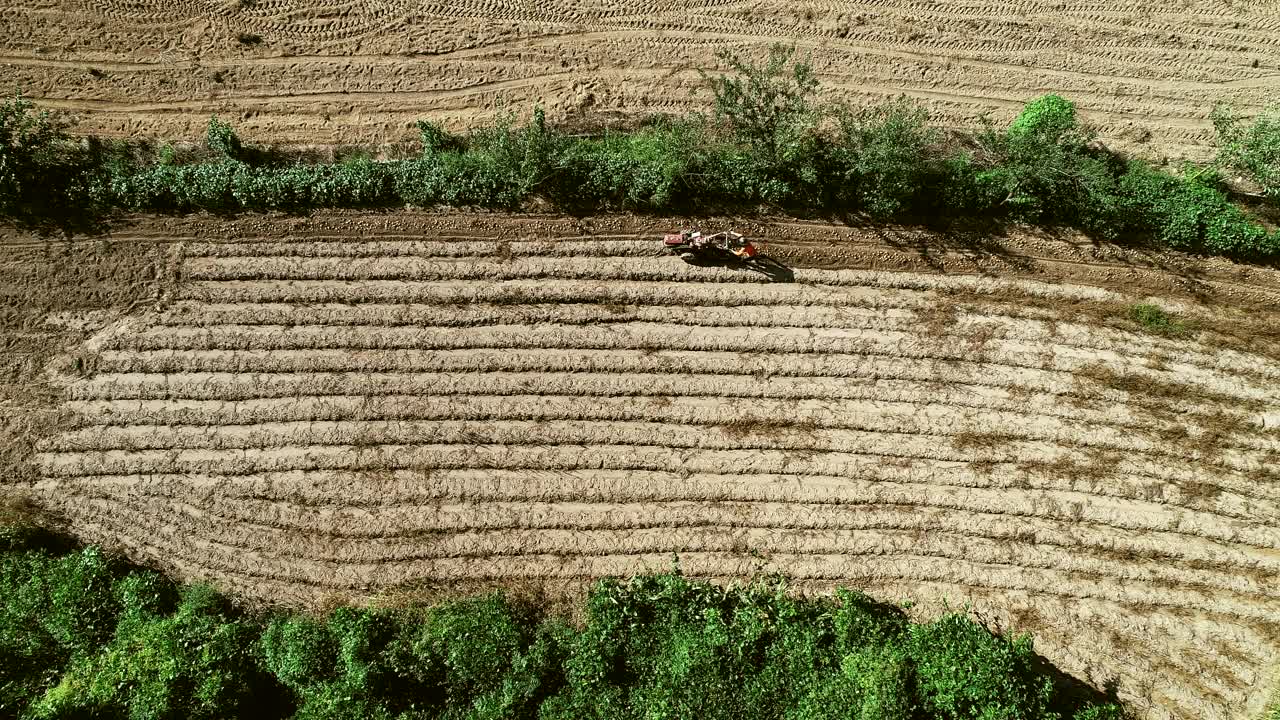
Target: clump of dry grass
[(974, 440), (937, 318), (756, 426)]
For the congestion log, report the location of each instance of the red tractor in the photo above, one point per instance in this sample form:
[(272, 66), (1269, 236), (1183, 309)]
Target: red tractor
[(692, 245)]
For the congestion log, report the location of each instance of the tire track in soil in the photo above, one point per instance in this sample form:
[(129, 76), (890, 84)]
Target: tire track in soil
[(323, 73)]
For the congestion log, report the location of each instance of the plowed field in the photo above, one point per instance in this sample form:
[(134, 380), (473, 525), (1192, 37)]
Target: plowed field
[(1147, 72), (346, 405)]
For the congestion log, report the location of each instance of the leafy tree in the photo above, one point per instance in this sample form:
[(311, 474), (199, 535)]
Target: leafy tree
[(41, 169), (1254, 149)]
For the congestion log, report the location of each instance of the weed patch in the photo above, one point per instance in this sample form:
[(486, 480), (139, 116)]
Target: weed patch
[(1156, 320)]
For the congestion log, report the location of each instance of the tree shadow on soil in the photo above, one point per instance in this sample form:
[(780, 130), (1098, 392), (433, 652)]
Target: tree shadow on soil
[(977, 241), (982, 243)]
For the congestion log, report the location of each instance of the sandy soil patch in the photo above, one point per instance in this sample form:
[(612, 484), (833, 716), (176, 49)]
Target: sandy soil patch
[(334, 72)]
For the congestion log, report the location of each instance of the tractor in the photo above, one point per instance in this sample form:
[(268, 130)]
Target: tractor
[(693, 245)]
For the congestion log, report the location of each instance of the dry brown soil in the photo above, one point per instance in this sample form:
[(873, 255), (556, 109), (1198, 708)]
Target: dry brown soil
[(314, 410), (330, 72)]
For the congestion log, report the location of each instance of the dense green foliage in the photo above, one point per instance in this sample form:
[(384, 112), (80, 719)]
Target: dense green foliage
[(42, 171), (83, 635), (767, 143), (1253, 150)]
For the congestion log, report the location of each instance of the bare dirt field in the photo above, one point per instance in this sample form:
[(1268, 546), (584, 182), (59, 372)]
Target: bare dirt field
[(335, 72), (336, 408)]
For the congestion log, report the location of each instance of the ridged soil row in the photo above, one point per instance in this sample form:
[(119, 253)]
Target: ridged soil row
[(667, 336), (187, 401), (990, 572), (974, 328), (867, 428), (196, 374), (546, 290), (874, 483), (660, 269), (456, 248), (117, 397), (351, 537), (767, 478), (822, 426), (1133, 580)]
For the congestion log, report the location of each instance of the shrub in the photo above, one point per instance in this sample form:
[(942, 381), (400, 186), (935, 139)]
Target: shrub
[(966, 673), (34, 659), (769, 108), (886, 160), (1046, 172), (83, 637), (515, 161), (435, 139), (883, 159), (222, 140), (299, 652), (1188, 214), (41, 169), (476, 642), (1048, 120), (1253, 150), (643, 170), (195, 663), (1102, 711)]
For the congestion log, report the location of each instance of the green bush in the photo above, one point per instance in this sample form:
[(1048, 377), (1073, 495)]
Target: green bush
[(1253, 150), (1047, 172), (222, 140), (769, 110), (1188, 214), (964, 672), (42, 171), (194, 663), (643, 170), (768, 107), (769, 148), (884, 158)]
